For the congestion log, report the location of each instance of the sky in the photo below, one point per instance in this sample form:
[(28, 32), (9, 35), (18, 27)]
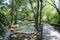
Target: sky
[(5, 2), (8, 2)]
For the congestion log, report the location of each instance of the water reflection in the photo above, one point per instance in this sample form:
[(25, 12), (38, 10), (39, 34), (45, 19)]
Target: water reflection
[(26, 29)]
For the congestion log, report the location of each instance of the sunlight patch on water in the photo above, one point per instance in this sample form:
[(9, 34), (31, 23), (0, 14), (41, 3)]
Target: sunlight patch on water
[(26, 29)]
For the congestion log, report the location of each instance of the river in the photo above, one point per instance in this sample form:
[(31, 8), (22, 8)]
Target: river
[(49, 33)]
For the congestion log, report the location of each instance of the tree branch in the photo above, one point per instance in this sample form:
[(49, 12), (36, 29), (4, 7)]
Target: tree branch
[(32, 6), (55, 6), (54, 3), (43, 6), (51, 4)]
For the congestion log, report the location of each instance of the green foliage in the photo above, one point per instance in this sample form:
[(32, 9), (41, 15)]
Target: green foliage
[(25, 14), (50, 15), (2, 32), (4, 10), (2, 20)]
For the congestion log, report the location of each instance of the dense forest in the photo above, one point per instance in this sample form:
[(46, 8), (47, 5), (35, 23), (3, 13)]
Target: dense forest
[(16, 13)]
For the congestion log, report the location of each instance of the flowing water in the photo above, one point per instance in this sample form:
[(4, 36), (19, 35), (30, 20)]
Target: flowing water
[(7, 35), (49, 33)]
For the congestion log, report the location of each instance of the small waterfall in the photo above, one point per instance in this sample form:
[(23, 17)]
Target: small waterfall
[(7, 35), (49, 33)]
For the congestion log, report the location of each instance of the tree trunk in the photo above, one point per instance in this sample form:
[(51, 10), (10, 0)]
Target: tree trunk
[(15, 19), (59, 19), (35, 14), (59, 15), (12, 14), (40, 23)]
